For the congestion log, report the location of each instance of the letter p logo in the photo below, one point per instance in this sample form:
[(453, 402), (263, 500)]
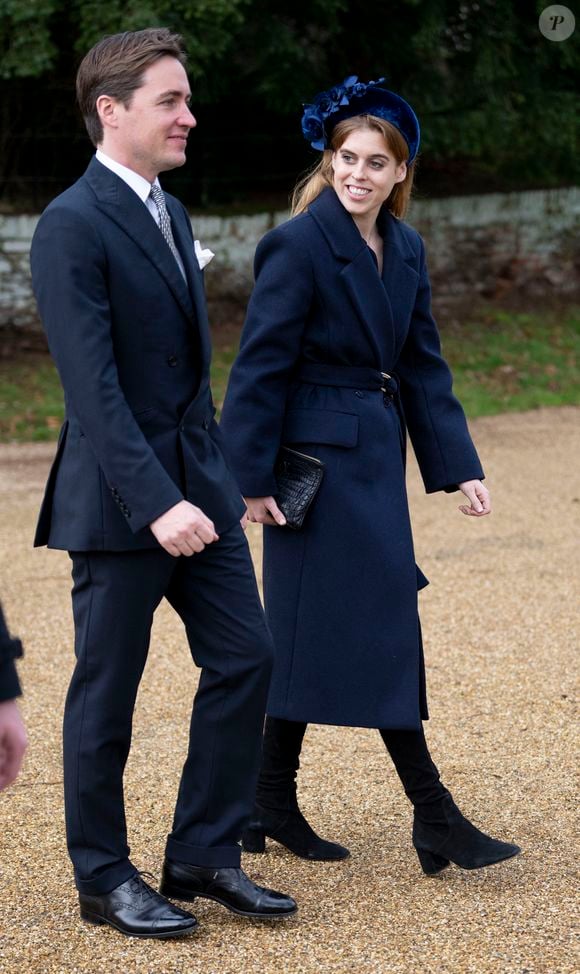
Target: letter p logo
[(557, 23)]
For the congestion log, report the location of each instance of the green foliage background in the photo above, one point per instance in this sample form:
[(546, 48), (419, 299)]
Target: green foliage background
[(498, 102)]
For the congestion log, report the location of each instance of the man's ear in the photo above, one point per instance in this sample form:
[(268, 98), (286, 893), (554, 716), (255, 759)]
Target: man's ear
[(107, 108)]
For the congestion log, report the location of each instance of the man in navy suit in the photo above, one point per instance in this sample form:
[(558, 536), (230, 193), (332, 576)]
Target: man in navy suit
[(141, 497)]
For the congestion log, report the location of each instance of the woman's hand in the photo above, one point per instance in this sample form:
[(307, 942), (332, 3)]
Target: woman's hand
[(478, 495), (264, 510)]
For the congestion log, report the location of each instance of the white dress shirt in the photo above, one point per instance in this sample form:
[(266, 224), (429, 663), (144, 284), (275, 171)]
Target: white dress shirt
[(143, 189), (139, 185)]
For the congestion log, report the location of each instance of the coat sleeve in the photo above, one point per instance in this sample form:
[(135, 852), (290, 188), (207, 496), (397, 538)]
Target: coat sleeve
[(9, 650), (69, 276), (270, 347), (435, 419)]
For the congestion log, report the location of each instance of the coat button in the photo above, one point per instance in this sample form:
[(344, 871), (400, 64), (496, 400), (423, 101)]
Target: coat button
[(359, 394), (205, 424), (172, 361)]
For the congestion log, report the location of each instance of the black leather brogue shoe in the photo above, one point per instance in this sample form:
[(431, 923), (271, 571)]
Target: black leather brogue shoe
[(137, 910), (229, 886)]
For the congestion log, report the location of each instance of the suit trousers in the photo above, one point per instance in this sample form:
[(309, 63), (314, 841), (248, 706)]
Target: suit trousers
[(114, 598)]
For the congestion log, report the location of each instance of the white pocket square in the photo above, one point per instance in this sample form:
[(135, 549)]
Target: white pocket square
[(203, 255)]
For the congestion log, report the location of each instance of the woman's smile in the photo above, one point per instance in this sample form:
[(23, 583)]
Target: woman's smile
[(357, 192)]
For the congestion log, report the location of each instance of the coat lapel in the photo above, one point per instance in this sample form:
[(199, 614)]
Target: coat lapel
[(400, 278), (380, 304), (122, 205), (359, 272)]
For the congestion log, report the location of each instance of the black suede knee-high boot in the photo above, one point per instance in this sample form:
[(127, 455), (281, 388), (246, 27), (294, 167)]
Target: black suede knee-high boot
[(418, 773), (281, 747), (441, 834), (276, 812)]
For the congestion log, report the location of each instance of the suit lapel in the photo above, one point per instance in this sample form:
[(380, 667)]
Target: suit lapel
[(122, 205), (184, 241)]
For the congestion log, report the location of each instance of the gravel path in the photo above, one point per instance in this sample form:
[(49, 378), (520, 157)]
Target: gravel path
[(500, 633)]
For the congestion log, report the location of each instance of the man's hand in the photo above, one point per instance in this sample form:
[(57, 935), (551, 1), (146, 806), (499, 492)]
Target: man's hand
[(478, 495), (264, 510), (13, 742), (184, 530)]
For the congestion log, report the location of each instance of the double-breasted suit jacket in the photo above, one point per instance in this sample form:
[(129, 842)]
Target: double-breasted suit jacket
[(131, 343), (341, 594)]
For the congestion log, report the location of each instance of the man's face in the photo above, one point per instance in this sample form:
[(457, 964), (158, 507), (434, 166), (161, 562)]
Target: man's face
[(150, 136)]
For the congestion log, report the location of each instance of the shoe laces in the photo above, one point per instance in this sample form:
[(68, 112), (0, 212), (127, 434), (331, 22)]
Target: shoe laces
[(143, 888)]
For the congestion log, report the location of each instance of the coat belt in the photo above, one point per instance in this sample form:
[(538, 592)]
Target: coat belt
[(348, 377)]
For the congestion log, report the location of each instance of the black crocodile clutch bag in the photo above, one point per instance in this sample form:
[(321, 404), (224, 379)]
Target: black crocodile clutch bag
[(299, 478)]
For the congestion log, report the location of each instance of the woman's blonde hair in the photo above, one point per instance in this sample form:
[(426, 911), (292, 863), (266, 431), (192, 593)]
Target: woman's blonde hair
[(317, 179)]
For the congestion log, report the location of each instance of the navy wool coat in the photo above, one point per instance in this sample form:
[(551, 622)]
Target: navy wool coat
[(341, 594), (131, 342)]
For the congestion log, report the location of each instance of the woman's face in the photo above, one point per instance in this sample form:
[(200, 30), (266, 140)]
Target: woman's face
[(365, 172)]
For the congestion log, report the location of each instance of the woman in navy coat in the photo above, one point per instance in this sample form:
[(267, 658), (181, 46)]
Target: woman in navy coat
[(339, 356)]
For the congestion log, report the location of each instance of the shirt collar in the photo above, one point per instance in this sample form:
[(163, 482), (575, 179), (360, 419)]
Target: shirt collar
[(136, 182)]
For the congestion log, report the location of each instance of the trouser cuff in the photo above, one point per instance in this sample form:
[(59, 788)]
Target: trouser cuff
[(108, 880), (216, 857)]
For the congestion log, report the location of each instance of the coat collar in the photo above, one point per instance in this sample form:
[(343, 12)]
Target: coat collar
[(380, 304), (123, 206)]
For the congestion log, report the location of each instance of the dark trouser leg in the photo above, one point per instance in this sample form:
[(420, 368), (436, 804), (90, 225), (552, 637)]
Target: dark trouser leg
[(215, 594), (418, 773), (114, 597), (281, 748)]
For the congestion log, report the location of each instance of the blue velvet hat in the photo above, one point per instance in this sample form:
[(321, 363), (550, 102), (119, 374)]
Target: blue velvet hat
[(352, 98)]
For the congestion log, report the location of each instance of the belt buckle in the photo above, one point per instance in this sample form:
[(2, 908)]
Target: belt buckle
[(385, 376)]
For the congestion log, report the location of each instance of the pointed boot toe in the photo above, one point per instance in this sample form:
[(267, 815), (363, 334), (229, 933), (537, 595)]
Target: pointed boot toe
[(290, 829), (453, 838)]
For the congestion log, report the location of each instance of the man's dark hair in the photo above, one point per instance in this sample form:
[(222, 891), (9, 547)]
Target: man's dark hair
[(115, 67)]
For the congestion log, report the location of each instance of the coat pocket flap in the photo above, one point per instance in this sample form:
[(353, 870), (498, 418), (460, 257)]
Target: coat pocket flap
[(320, 426)]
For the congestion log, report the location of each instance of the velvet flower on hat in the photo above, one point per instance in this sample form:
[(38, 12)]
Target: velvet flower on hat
[(354, 97), (327, 103)]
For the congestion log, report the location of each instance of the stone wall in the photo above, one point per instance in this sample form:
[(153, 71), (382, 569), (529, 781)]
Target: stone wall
[(482, 247)]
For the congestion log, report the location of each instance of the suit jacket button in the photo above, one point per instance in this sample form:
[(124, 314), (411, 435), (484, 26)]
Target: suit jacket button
[(205, 424), (172, 361)]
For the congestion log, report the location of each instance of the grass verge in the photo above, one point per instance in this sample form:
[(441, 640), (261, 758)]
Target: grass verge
[(502, 361)]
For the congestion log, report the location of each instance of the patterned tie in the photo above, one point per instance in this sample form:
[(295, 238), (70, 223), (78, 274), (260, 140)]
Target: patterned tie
[(158, 197)]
